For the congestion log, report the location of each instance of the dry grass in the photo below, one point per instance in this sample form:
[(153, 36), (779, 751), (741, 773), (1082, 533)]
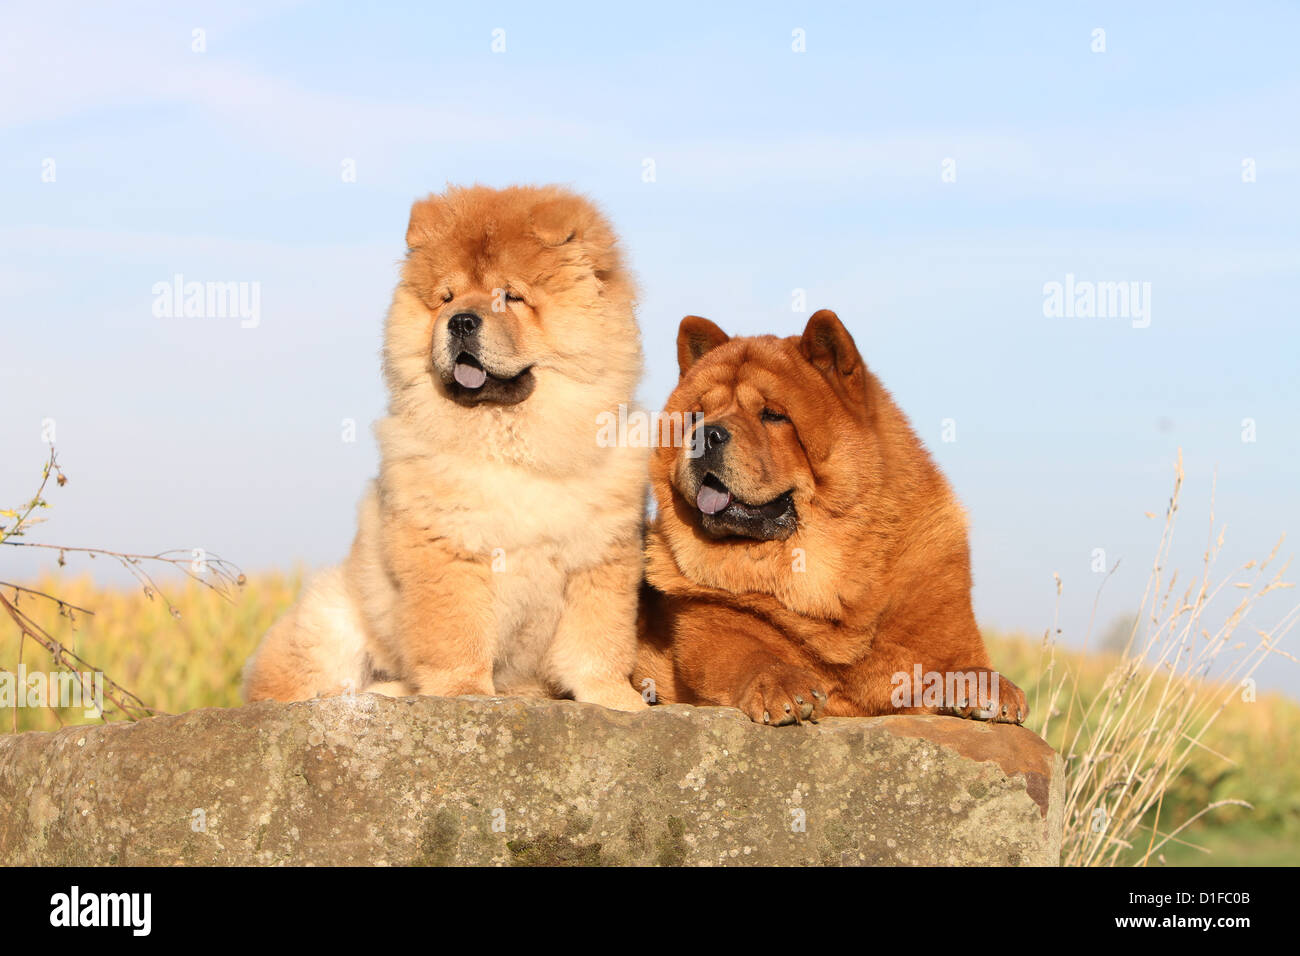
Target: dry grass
[(1129, 743), (94, 687)]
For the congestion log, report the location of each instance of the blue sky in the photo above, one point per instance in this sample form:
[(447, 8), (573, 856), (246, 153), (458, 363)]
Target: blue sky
[(775, 171)]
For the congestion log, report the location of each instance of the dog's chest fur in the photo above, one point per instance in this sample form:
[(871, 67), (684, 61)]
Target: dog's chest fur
[(527, 600), (531, 530)]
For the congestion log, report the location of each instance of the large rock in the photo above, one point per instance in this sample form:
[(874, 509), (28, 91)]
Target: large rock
[(515, 781)]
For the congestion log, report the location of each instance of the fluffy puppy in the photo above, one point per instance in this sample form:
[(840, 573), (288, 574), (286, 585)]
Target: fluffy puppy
[(499, 549)]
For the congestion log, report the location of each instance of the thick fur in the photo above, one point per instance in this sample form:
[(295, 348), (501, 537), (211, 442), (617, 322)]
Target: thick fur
[(873, 580), (499, 549)]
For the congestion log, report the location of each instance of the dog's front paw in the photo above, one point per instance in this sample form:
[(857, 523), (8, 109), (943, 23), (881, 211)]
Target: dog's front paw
[(780, 694), (987, 695), (616, 695)]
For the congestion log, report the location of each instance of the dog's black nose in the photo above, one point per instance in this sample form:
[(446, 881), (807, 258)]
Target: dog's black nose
[(464, 324), (715, 436)]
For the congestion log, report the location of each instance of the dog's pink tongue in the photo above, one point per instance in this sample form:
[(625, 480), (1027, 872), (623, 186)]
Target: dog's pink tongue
[(711, 500), (469, 376)]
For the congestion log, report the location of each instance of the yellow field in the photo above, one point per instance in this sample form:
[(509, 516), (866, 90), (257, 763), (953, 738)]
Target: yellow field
[(173, 663), (193, 659)]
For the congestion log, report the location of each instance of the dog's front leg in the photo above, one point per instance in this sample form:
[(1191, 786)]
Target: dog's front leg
[(445, 626), (594, 648)]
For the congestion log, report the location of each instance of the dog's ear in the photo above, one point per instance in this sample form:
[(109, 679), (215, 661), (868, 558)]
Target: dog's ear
[(695, 337), (826, 343), (428, 218), (567, 219), (557, 221)]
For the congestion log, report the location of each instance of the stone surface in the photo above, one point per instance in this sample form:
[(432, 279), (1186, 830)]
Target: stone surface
[(370, 780)]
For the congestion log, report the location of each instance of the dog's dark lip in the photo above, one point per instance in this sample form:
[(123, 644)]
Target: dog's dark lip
[(779, 505), (466, 358), (769, 509), (496, 390), (469, 358), (713, 481), (769, 521)]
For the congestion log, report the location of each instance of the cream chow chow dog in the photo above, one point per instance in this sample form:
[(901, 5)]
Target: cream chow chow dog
[(499, 550)]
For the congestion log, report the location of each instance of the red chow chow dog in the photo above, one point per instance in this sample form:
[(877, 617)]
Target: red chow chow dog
[(808, 558)]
